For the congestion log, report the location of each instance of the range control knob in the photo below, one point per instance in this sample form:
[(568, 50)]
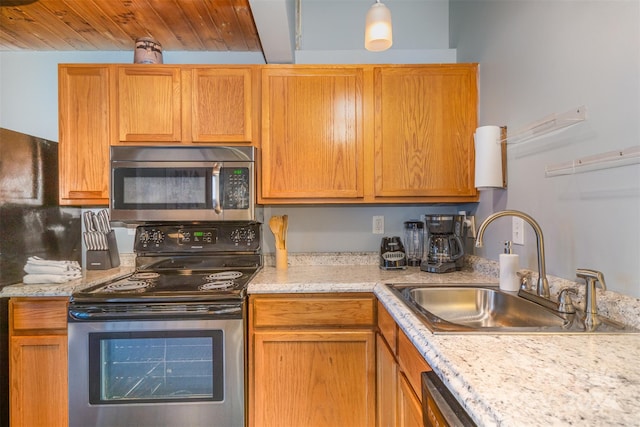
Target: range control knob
[(156, 237), (144, 237), (237, 235), (251, 235), (151, 237), (243, 235)]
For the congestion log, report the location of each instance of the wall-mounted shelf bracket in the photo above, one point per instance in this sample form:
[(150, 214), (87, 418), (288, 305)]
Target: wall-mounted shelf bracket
[(547, 125), (611, 159)]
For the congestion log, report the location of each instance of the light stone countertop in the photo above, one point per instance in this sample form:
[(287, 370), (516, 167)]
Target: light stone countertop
[(501, 380), (89, 278)]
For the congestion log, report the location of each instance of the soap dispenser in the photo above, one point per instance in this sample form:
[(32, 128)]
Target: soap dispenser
[(509, 266)]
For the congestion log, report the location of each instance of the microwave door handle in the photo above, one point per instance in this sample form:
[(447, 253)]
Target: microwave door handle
[(215, 188)]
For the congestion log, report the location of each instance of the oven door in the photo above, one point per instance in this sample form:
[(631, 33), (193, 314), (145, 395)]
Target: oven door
[(156, 372)]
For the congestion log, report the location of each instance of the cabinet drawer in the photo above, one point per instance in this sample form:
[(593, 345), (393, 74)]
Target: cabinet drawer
[(30, 314), (411, 362), (312, 310)]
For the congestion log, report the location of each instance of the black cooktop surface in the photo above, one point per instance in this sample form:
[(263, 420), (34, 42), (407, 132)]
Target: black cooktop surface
[(172, 285)]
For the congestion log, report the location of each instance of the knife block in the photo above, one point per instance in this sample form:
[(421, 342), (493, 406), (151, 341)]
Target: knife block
[(104, 260)]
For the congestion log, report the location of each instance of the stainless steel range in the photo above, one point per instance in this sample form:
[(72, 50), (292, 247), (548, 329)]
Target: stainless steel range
[(165, 345)]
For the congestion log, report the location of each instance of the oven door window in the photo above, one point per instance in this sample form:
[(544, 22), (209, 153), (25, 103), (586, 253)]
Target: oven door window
[(163, 188), (156, 366)]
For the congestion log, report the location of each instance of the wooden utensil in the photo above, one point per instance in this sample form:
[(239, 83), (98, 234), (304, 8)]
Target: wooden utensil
[(278, 226), (283, 231), (275, 224)]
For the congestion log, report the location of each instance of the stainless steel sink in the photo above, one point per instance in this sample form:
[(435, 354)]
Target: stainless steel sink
[(464, 308)]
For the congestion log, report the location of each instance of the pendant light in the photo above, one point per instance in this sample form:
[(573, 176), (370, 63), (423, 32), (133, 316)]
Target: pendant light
[(377, 33)]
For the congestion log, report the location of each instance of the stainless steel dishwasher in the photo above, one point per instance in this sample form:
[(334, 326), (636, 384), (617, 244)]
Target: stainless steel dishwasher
[(439, 407)]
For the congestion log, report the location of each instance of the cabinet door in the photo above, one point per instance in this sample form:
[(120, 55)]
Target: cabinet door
[(411, 362), (386, 381), (312, 146), (221, 103), (83, 149), (148, 104), (314, 379), (409, 406), (38, 381), (425, 117)]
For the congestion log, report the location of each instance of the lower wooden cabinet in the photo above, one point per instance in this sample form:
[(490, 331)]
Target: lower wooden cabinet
[(399, 397), (38, 387), (312, 360), (387, 385)]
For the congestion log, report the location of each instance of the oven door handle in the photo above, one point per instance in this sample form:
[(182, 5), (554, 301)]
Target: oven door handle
[(155, 312), (215, 188)]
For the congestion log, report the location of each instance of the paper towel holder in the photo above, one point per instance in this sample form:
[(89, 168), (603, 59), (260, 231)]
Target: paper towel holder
[(482, 168)]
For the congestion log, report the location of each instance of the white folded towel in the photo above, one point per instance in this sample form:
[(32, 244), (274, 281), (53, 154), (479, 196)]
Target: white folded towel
[(37, 265), (50, 278)]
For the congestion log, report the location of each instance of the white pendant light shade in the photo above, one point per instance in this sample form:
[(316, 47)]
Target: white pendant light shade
[(378, 35)]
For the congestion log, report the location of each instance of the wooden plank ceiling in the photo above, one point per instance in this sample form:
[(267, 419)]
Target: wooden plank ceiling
[(66, 25)]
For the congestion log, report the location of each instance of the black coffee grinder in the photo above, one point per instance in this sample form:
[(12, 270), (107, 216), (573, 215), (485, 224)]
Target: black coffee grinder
[(444, 248)]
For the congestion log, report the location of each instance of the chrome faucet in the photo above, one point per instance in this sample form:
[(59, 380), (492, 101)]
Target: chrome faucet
[(542, 287), (591, 277)]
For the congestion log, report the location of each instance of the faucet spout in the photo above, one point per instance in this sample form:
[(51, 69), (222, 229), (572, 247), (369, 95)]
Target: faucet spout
[(543, 284)]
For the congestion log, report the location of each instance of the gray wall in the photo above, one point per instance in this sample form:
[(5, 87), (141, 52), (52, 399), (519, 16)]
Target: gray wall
[(539, 58)]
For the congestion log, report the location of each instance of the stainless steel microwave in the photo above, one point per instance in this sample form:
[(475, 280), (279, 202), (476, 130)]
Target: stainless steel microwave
[(182, 184)]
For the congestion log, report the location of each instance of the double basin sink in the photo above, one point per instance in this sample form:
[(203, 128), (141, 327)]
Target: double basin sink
[(466, 308)]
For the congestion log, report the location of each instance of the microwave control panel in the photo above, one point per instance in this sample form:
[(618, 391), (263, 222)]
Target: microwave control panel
[(235, 187)]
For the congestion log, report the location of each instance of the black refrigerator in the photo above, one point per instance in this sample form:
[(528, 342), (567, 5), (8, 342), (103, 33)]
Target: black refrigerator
[(31, 223)]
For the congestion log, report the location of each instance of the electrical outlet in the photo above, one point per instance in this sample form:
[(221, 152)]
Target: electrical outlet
[(517, 231), (378, 224)]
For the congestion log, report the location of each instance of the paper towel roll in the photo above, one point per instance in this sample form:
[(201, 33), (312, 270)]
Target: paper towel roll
[(488, 150)]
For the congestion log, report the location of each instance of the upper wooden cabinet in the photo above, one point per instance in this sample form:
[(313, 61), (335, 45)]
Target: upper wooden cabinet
[(184, 104), (425, 117), (110, 104), (148, 104), (329, 133), (221, 105), (312, 133), (84, 133), (368, 134)]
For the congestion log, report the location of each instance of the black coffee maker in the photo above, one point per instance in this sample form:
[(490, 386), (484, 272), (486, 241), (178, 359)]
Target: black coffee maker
[(444, 248)]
